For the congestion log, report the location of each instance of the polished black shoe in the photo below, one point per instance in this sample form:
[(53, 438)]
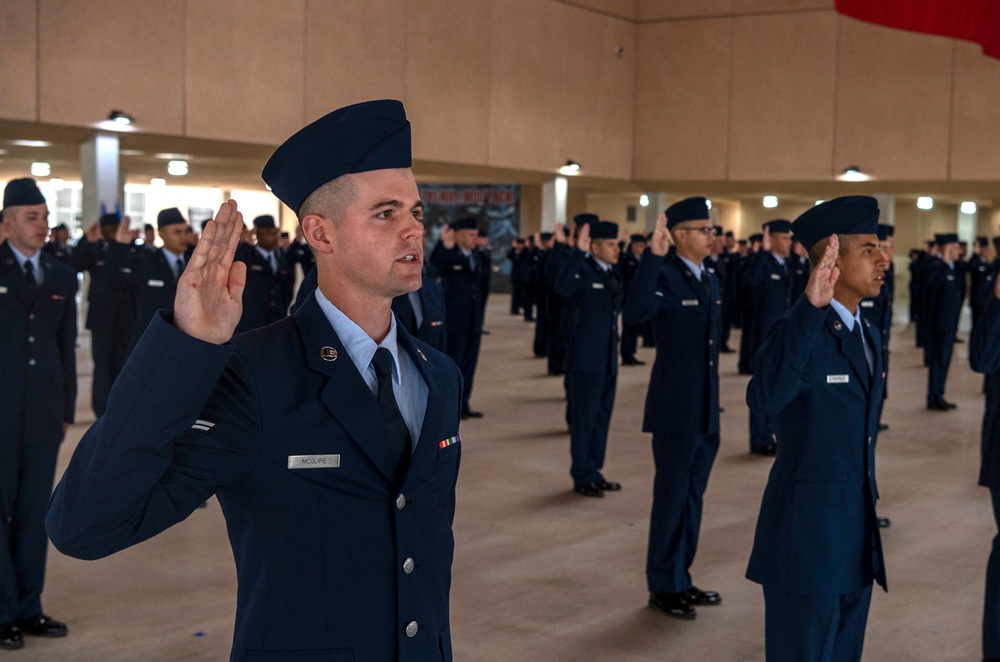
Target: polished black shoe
[(673, 604), (633, 362), (882, 427), (471, 413), (41, 625), (485, 332), (941, 405), (590, 490), (726, 349), (10, 637), (700, 598), (959, 341), (950, 405), (609, 486), (770, 450), (884, 523)]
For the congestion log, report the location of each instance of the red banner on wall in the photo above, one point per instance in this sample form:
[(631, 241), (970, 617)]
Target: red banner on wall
[(974, 20)]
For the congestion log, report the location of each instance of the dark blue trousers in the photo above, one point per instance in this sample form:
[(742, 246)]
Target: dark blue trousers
[(940, 346), (761, 430), (590, 397), (463, 348), (815, 627), (682, 468), (26, 475), (991, 608)]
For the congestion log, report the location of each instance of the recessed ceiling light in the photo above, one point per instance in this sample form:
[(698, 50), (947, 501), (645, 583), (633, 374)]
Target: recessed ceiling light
[(854, 174), (968, 207), (770, 201), (925, 202), (120, 117), (177, 168), (30, 143), (41, 169), (571, 168), (157, 181), (643, 200)]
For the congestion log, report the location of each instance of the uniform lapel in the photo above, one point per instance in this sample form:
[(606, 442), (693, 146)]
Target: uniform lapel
[(848, 345), (346, 394), (435, 427)]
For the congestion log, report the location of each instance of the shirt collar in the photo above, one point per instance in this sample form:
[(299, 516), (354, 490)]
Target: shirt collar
[(695, 268), (777, 257), (171, 257), (605, 267), (22, 258), (265, 254), (358, 344), (848, 317)]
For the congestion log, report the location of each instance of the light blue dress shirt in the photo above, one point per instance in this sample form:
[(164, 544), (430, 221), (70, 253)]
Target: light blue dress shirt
[(272, 261), (36, 262), (408, 384), (172, 260), (696, 269), (849, 321)]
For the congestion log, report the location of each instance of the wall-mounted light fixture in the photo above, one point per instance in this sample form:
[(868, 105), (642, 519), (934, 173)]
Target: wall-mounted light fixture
[(177, 168), (643, 200), (40, 169), (968, 207), (120, 117), (925, 202), (770, 201), (853, 174)]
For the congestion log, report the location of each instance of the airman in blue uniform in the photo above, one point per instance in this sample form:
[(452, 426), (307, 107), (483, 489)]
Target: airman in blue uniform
[(330, 437), (270, 278), (593, 293), (38, 392), (58, 244), (819, 374), (984, 355), (684, 301), (943, 306)]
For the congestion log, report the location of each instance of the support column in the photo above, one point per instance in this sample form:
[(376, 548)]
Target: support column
[(968, 226), (886, 207), (554, 203), (103, 192), (657, 203)]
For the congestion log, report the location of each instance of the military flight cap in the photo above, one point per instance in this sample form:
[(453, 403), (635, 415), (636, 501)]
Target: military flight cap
[(62, 226), (885, 231), (982, 242), (688, 209), (778, 226), (264, 221), (171, 216), (586, 219), (946, 238), (545, 236), (717, 231), (756, 237), (22, 191), (109, 219), (637, 238), (604, 230), (851, 214), (373, 135), (467, 223), (483, 233)]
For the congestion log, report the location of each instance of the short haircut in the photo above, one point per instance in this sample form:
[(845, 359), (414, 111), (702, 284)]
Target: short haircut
[(816, 252), (329, 200)]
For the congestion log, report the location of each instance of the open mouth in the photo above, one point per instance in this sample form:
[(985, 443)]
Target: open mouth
[(412, 257)]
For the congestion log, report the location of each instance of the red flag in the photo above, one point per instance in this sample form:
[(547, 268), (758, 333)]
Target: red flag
[(974, 20)]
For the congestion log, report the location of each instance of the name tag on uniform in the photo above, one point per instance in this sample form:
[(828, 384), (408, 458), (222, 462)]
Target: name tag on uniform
[(775, 277), (597, 286), (256, 267), (689, 302), (838, 379), (867, 304), (313, 461), (126, 270), (154, 283)]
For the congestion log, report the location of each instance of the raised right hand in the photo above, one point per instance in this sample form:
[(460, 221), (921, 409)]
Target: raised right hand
[(448, 237), (93, 233), (819, 289), (560, 234), (123, 235), (660, 242), (766, 244), (209, 300), (583, 238)]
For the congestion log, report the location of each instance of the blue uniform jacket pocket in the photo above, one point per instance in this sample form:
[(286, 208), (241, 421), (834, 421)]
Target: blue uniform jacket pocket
[(448, 453)]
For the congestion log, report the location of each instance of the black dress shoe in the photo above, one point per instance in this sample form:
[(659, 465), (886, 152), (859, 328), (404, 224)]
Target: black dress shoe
[(959, 341), (770, 450), (726, 349), (41, 625), (609, 486), (633, 362), (590, 490), (941, 405), (882, 427), (950, 405), (696, 596), (471, 413), (884, 523), (10, 637), (673, 604)]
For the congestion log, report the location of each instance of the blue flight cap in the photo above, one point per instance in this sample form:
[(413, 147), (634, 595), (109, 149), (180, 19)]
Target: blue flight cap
[(22, 191), (545, 236), (171, 216), (778, 225), (637, 238), (756, 237), (851, 214), (946, 238), (467, 223), (586, 219), (604, 230), (109, 219), (885, 231), (264, 221), (688, 209), (373, 135)]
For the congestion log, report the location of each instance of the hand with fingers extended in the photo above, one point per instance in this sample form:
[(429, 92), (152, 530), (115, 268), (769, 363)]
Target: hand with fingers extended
[(448, 237), (766, 244), (123, 235), (93, 233), (583, 238), (660, 242), (560, 234), (209, 300), (819, 289)]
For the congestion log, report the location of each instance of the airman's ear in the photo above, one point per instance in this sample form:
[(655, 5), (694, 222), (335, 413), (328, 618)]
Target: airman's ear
[(315, 229)]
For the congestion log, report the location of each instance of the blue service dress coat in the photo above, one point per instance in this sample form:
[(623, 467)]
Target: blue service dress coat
[(817, 531), (268, 294), (432, 328), (984, 356), (593, 302), (38, 392), (333, 563), (683, 395), (770, 287), (151, 285)]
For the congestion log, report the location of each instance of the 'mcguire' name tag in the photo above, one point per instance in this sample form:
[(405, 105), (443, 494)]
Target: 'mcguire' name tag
[(313, 461), (838, 379)]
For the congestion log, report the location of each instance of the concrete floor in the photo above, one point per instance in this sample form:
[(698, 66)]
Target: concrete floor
[(543, 574)]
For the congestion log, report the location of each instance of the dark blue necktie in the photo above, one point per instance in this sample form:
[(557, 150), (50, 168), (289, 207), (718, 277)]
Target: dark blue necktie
[(397, 435)]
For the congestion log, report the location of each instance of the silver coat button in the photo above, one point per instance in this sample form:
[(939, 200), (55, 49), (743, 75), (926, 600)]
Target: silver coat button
[(32, 362), (31, 338), (408, 565), (411, 629), (400, 502), (31, 316)]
